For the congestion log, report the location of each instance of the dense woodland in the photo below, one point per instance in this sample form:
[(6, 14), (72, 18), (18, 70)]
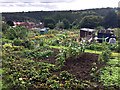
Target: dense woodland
[(89, 18)]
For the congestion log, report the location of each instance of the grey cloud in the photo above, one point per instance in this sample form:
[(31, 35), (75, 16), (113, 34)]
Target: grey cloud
[(33, 3), (17, 1), (43, 5), (36, 1), (7, 5), (55, 1), (3, 5), (7, 2), (27, 2), (49, 6)]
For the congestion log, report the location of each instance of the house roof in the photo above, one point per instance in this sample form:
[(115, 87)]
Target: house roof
[(87, 29), (31, 22), (106, 31), (18, 23), (23, 23)]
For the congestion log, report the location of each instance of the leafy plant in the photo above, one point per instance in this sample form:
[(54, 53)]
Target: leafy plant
[(43, 54), (17, 32), (61, 59), (29, 44), (17, 42), (26, 53), (105, 56), (76, 49), (109, 74), (64, 75)]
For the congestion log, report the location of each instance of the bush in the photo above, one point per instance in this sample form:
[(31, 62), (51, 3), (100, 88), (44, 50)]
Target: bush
[(6, 41), (17, 42), (16, 48), (41, 55), (105, 56), (7, 45), (17, 32), (94, 46), (64, 75), (53, 43), (30, 44), (41, 43), (26, 53)]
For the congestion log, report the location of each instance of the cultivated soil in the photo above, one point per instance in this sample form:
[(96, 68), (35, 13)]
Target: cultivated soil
[(80, 66)]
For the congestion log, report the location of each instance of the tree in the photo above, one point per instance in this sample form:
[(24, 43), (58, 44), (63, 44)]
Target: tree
[(57, 17), (49, 22), (100, 28), (91, 21), (4, 27), (51, 26), (110, 19), (66, 23), (10, 23), (18, 32), (118, 16), (118, 31)]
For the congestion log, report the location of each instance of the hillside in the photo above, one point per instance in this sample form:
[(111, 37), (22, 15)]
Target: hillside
[(39, 15), (73, 16)]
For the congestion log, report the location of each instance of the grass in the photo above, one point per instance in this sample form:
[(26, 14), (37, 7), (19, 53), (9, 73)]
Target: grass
[(87, 50), (58, 47), (93, 51), (99, 52)]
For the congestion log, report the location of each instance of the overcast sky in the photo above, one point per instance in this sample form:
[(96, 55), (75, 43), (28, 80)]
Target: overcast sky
[(49, 5)]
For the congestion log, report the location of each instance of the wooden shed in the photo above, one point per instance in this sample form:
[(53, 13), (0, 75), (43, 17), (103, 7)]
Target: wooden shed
[(84, 32)]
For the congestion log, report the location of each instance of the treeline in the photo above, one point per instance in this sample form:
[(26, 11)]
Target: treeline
[(89, 18)]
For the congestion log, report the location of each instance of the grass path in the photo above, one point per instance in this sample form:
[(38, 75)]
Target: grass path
[(87, 50), (99, 52)]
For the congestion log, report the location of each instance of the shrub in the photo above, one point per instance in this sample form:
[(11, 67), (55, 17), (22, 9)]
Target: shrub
[(76, 49), (54, 77), (105, 56), (6, 41), (41, 43), (94, 46), (60, 60), (17, 32), (7, 45), (64, 75), (53, 43), (26, 53), (29, 44), (16, 48), (17, 42), (43, 54)]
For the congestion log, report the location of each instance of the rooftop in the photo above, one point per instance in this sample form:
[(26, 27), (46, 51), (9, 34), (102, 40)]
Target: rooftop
[(87, 29), (106, 31)]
